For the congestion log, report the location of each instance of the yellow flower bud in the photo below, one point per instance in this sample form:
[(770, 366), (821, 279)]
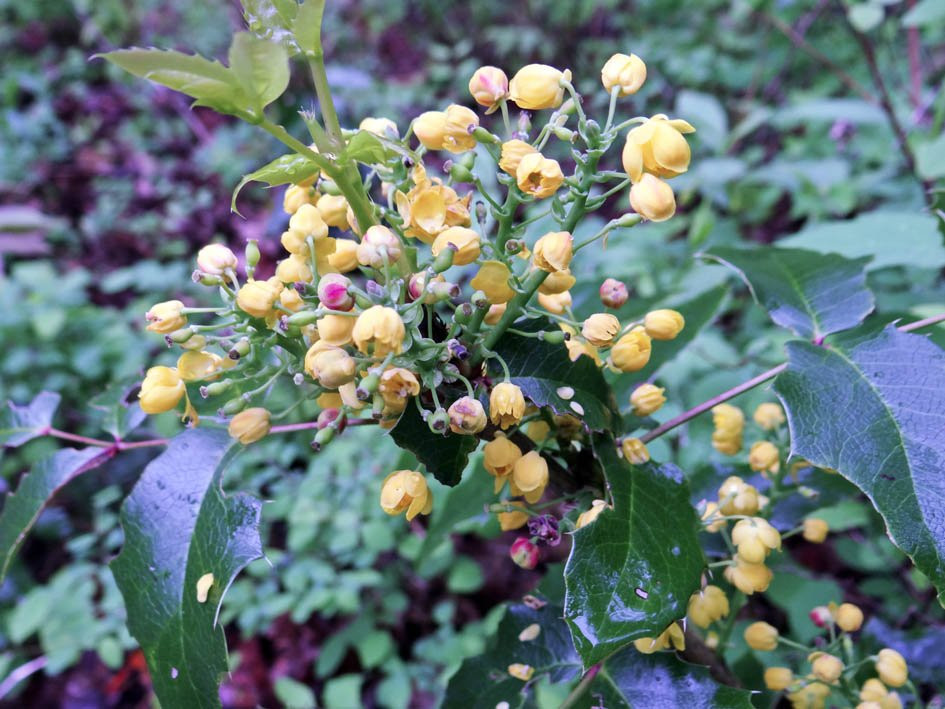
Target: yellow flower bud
[(891, 668), (848, 617), (250, 425), (538, 176), (647, 399), (768, 416), (626, 71), (345, 257), (764, 457), (499, 456), (729, 423), (778, 678), (460, 122), (196, 365), (512, 153), (673, 635), (748, 578), (556, 303), (653, 199), (538, 86), (663, 324), (294, 242), (529, 476), (761, 636), (335, 330), (430, 129), (514, 519), (464, 239), (406, 490), (330, 400), (495, 313), (215, 259), (382, 127), (161, 390), (755, 538), (308, 221), (825, 667), (736, 497), (489, 86), (810, 696), (635, 451), (294, 269), (557, 282), (379, 331), (707, 606), (166, 317), (493, 280), (600, 329), (537, 431), (297, 195), (506, 405), (591, 515), (815, 530), (330, 366), (713, 518), (520, 671), (553, 251), (658, 148), (378, 246), (874, 692), (632, 351), (467, 416), (333, 210), (397, 386), (257, 298), (291, 300)]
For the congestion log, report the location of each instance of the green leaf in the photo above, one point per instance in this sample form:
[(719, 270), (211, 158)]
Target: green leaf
[(293, 693), (23, 507), (365, 147), (119, 417), (544, 371), (808, 293), (261, 67), (287, 169), (871, 408), (178, 527), (707, 115), (444, 456), (21, 424), (308, 27), (271, 18), (930, 156), (891, 238), (460, 503), (631, 573), (926, 12), (631, 680), (211, 83)]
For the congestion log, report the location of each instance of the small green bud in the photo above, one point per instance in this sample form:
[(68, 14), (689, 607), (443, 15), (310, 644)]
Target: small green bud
[(179, 336), (439, 421), (205, 279), (323, 438), (302, 318), (329, 187), (460, 173), (484, 136), (592, 132), (367, 386), (216, 388), (240, 349), (252, 253), (444, 259), (462, 313), (479, 300), (514, 246), (467, 160), (555, 337), (233, 406)]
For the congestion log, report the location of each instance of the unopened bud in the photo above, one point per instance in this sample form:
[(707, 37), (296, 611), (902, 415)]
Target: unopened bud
[(481, 212), (592, 132), (330, 417), (460, 173), (443, 290), (479, 300), (555, 337), (367, 386), (463, 313), (565, 134), (233, 406), (524, 122), (439, 421), (467, 160), (206, 279), (444, 259), (240, 349), (251, 253), (302, 318), (216, 388), (613, 293), (524, 553), (333, 292), (323, 438), (179, 336), (513, 246)]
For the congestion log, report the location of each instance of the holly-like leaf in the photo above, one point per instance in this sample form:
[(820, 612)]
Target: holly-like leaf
[(548, 377), (871, 408), (811, 294), (179, 526), (260, 66), (631, 573), (21, 424), (444, 456), (209, 82), (365, 147), (23, 507), (284, 170), (631, 680)]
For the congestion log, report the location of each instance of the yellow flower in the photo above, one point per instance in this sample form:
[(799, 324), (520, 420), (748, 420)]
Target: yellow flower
[(778, 678), (815, 530), (755, 538), (748, 578), (430, 129), (658, 148), (215, 259), (848, 617), (647, 399), (553, 251), (379, 331), (166, 317), (333, 210), (538, 86), (506, 405), (345, 257), (406, 490), (383, 127), (591, 515), (764, 457), (489, 86), (464, 239), (663, 324), (460, 122), (430, 207), (673, 635), (493, 280), (397, 386), (761, 636), (653, 199), (891, 668), (520, 671), (634, 450), (514, 519), (707, 606), (329, 365), (825, 667), (335, 330), (294, 269), (538, 176), (557, 282), (512, 153), (378, 246), (729, 423), (626, 71), (499, 456), (873, 690), (330, 400), (196, 365), (811, 696), (161, 390), (297, 195), (257, 298), (768, 416), (632, 351), (736, 497), (556, 303), (529, 476), (467, 416), (600, 328), (495, 313), (250, 425), (308, 221)]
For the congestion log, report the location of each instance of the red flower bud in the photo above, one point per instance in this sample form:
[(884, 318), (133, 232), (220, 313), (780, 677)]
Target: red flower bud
[(524, 553)]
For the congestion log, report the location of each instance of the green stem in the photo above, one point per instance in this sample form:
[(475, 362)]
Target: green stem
[(316, 64)]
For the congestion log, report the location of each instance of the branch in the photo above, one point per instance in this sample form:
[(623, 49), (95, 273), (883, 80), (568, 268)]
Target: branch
[(699, 653)]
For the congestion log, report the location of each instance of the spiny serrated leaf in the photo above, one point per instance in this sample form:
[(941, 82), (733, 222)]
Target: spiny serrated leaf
[(444, 456), (287, 169), (178, 527), (261, 67), (548, 377), (631, 680), (630, 573), (23, 507), (872, 409), (811, 294), (21, 424)]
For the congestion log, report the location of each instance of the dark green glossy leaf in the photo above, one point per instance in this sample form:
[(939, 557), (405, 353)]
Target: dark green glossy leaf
[(631, 680), (871, 408), (459, 504), (260, 66), (21, 424), (444, 456), (811, 294), (365, 147), (284, 170), (22, 508), (630, 573), (178, 527), (544, 371)]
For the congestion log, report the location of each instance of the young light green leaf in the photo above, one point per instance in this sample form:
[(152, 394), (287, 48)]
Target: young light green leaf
[(22, 508), (308, 27), (870, 407), (179, 527), (811, 294), (365, 147), (21, 424), (287, 169), (631, 572), (260, 66)]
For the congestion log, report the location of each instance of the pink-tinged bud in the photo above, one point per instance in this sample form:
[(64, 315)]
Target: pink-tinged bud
[(613, 293), (524, 553), (415, 285), (821, 616), (333, 292), (329, 417)]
